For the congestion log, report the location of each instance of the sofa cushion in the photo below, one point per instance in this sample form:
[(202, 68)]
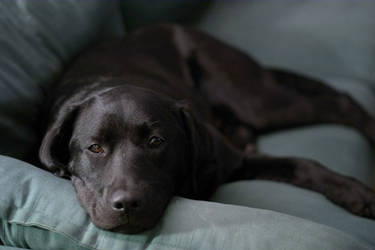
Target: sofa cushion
[(40, 211)]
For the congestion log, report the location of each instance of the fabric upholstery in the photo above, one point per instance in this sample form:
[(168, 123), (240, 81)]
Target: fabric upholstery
[(37, 39), (330, 40), (40, 211)]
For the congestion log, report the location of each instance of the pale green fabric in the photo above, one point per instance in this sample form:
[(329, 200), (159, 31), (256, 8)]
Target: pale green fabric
[(316, 37), (37, 39), (9, 248), (40, 211)]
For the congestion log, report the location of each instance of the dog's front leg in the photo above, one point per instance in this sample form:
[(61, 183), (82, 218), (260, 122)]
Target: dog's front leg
[(342, 190)]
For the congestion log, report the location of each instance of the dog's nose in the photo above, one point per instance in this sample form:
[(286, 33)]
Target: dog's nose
[(123, 201)]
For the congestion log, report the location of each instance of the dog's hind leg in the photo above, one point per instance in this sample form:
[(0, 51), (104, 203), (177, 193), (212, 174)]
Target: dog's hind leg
[(264, 99), (316, 103), (261, 99)]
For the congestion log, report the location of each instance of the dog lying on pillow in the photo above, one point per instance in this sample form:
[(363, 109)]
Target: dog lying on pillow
[(171, 111)]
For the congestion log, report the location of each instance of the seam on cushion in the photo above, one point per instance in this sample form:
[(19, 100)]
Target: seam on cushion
[(33, 207), (51, 229), (36, 211), (21, 241), (48, 227), (55, 230)]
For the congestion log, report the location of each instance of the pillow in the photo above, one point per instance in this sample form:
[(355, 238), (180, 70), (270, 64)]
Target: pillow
[(37, 39), (40, 211)]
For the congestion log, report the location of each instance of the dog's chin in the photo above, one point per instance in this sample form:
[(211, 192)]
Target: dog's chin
[(122, 227), (131, 223), (125, 229)]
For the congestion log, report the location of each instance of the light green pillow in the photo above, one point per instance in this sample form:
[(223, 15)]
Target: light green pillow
[(40, 211)]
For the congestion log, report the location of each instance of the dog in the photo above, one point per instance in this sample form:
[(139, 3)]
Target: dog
[(169, 110)]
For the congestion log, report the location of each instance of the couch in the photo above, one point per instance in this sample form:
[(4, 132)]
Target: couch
[(330, 40)]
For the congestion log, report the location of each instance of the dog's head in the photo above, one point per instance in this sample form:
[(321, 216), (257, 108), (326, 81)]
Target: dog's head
[(124, 149)]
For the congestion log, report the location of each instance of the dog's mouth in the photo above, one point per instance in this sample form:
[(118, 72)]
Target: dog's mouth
[(129, 230), (121, 226), (127, 223), (104, 217)]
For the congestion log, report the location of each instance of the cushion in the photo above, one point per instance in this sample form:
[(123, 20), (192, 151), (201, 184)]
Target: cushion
[(37, 39), (40, 211)]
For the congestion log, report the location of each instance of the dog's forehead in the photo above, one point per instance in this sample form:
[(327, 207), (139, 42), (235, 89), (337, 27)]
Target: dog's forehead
[(123, 109), (133, 104)]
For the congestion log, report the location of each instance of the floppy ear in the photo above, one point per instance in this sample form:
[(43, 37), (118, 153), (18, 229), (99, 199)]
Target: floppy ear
[(199, 143), (54, 150)]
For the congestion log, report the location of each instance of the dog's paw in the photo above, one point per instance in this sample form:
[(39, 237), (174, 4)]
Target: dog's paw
[(363, 208), (356, 198)]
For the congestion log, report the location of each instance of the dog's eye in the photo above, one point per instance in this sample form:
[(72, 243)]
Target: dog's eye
[(95, 148), (155, 142)]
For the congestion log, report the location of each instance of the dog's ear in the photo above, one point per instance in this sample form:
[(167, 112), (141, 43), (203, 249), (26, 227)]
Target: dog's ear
[(54, 150), (198, 142)]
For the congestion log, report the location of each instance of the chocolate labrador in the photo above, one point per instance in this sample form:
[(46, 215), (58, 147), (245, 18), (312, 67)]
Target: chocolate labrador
[(169, 110)]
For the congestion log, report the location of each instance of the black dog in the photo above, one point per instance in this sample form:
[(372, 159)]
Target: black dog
[(171, 111)]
